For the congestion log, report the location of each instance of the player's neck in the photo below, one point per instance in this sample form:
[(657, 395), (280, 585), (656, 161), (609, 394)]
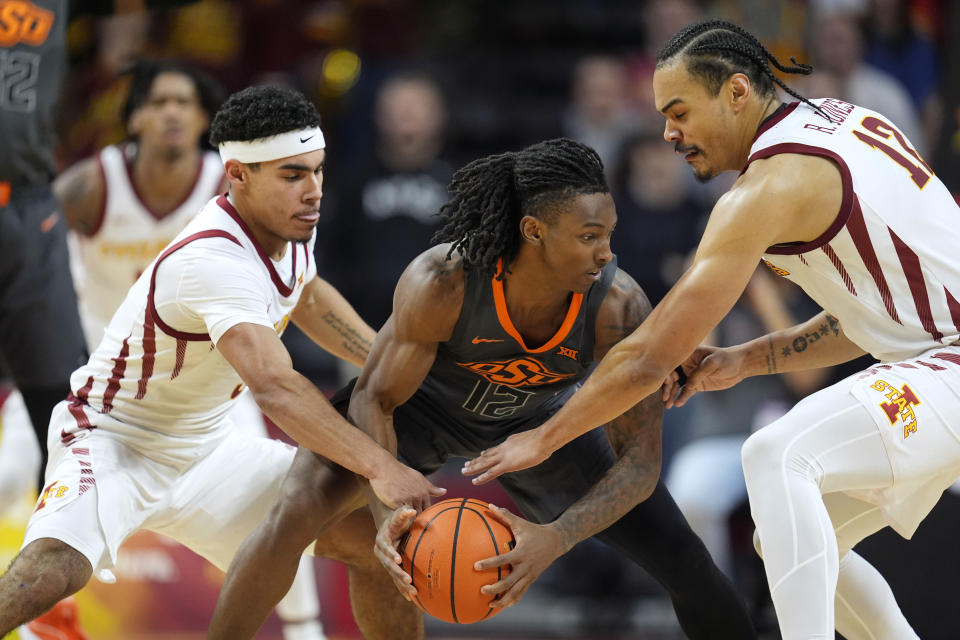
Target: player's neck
[(752, 121), (165, 181), (532, 294), (272, 244)]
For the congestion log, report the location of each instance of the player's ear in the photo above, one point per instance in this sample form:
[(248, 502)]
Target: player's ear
[(235, 172), (531, 229), (740, 90)]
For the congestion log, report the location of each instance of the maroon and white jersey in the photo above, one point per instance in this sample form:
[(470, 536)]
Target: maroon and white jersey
[(127, 236), (157, 380), (889, 266)]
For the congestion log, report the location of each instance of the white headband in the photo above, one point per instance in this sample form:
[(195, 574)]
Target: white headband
[(282, 145)]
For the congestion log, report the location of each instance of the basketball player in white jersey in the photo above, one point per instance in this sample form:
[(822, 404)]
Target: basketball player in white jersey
[(144, 441), (123, 206), (835, 198)]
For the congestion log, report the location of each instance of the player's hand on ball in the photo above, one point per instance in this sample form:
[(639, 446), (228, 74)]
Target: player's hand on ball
[(537, 546), (397, 484), (519, 451), (386, 548)]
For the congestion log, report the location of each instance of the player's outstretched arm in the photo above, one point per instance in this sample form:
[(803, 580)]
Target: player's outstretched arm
[(786, 198), (636, 438), (81, 191), (331, 322), (816, 343), (297, 406)]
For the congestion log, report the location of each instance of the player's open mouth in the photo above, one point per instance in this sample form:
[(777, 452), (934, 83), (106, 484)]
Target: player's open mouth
[(594, 275)]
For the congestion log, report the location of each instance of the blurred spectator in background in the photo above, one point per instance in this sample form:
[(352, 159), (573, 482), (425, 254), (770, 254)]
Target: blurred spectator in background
[(660, 19), (382, 213), (895, 46), (838, 50), (660, 217), (600, 115)]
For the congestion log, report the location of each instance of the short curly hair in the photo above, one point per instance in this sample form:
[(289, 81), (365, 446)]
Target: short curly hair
[(260, 112)]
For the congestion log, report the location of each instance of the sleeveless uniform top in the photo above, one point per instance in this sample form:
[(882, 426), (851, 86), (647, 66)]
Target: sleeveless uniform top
[(888, 268), (127, 236), (488, 381), (33, 58), (157, 381)]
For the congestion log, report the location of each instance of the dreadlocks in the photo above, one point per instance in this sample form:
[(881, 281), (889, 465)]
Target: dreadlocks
[(489, 196), (717, 49)]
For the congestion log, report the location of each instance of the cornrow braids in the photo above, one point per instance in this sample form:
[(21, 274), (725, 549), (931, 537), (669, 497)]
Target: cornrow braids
[(489, 196), (717, 49)]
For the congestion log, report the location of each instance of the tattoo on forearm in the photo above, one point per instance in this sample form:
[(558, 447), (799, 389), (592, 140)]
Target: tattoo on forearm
[(352, 341), (771, 357), (635, 437), (809, 339), (834, 325)]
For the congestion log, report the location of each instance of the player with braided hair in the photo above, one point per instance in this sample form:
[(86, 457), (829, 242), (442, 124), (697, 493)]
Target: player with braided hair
[(835, 198), (492, 331)]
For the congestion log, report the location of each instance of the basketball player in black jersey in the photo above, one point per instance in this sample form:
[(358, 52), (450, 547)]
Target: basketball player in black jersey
[(491, 332)]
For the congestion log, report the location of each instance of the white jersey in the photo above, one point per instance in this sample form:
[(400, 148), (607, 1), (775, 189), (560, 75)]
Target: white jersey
[(888, 268), (127, 236), (157, 381)]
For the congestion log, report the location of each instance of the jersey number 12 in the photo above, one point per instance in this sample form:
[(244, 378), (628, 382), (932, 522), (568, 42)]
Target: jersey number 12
[(919, 173)]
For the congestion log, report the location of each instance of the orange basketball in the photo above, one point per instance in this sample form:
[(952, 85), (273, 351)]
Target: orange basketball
[(439, 552)]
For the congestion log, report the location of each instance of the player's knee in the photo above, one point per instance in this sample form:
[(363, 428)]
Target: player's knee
[(50, 570), (762, 454), (294, 520), (350, 541)]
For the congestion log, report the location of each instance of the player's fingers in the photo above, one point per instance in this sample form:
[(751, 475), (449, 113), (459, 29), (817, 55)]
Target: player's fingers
[(512, 595), (503, 516), (386, 550), (501, 585), (493, 562), (481, 463), (487, 476), (685, 394), (400, 522)]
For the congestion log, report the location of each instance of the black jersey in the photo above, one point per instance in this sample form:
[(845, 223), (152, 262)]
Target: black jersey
[(32, 65), (488, 381)]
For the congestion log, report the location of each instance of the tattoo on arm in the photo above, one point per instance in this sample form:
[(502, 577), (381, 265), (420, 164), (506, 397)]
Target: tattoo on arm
[(636, 438), (442, 266), (834, 325), (351, 340), (72, 198), (771, 357)]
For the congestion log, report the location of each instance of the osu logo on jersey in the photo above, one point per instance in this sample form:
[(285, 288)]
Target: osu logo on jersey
[(900, 405), (521, 372), (22, 21)]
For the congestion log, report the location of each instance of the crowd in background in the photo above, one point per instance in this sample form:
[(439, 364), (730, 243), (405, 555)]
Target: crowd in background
[(412, 89)]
